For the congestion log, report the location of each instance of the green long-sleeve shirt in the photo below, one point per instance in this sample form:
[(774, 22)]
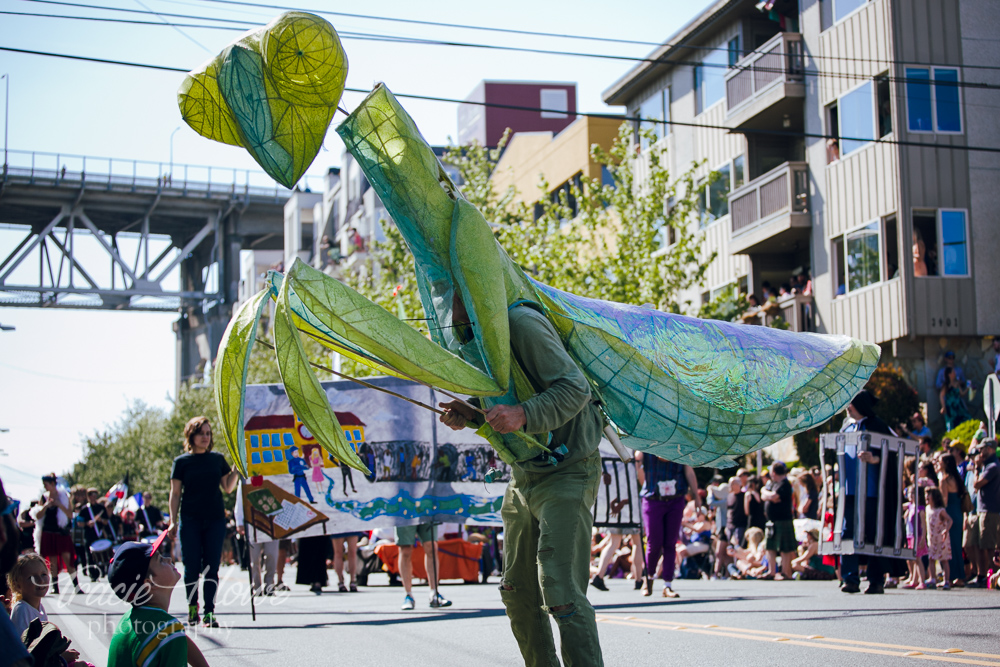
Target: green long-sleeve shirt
[(563, 405)]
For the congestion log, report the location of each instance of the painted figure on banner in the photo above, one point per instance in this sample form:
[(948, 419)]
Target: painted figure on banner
[(297, 468)]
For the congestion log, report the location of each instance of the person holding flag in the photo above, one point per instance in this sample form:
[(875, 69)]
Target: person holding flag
[(149, 516)]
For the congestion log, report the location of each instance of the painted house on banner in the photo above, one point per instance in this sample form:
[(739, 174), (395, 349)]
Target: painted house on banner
[(268, 438)]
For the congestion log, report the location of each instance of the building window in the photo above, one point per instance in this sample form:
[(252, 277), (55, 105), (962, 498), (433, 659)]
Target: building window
[(555, 103), (607, 178), (739, 175), (884, 105), (715, 202), (932, 100), (832, 132), (841, 8), (954, 243), (862, 257), (890, 247), (825, 14), (925, 246), (857, 119), (858, 258), (710, 79), (733, 48), (940, 243), (653, 113)]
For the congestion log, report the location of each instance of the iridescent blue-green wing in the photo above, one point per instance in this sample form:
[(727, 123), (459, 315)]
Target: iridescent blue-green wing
[(704, 392)]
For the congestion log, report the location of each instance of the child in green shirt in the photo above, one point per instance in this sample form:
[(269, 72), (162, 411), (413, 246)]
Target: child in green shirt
[(147, 636)]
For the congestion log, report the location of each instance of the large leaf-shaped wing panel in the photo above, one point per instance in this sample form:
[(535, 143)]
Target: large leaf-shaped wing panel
[(703, 392)]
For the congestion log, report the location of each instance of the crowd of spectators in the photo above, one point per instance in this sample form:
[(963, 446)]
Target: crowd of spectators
[(771, 526), (770, 299), (746, 527)]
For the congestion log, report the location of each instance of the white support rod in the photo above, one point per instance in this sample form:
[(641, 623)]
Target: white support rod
[(186, 250), (115, 257), (612, 436), (34, 243)]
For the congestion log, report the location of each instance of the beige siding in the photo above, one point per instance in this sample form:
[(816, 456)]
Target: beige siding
[(874, 315), (934, 176), (944, 307), (863, 186), (860, 188), (726, 268), (855, 49), (716, 146)]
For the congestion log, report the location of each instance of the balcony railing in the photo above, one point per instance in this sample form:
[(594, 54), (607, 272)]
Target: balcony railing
[(781, 191), (796, 313), (779, 60)]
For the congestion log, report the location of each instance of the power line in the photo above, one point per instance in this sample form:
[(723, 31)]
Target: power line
[(177, 28), (623, 117), (105, 19), (434, 42), (535, 33)]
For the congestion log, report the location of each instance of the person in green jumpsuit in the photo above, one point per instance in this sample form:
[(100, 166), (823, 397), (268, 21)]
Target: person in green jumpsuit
[(547, 508)]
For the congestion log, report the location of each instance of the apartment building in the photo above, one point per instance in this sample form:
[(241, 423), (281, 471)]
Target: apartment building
[(842, 131), (562, 158), (348, 215), (522, 106)]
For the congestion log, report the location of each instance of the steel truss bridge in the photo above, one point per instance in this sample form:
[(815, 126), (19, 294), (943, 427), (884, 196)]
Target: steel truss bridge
[(100, 233)]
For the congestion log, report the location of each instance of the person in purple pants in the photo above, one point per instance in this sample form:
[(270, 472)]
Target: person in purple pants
[(664, 485)]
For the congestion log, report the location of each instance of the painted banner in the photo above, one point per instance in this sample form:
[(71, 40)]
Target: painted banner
[(421, 471)]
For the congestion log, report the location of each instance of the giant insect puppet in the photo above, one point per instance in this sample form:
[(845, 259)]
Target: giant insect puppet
[(694, 391)]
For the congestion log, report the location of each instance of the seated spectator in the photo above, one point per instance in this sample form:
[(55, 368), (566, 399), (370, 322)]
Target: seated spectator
[(694, 547), (29, 583), (751, 562), (808, 564), (784, 292), (916, 429)]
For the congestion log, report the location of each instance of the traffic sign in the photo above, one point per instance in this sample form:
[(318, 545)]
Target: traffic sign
[(991, 403)]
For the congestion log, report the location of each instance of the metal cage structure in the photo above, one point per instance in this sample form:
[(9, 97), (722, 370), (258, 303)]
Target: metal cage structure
[(892, 452), (618, 504)]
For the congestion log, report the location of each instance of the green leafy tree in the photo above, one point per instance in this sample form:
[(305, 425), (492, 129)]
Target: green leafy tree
[(138, 444), (897, 400), (597, 240)]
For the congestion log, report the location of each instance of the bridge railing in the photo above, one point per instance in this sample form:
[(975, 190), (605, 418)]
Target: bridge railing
[(60, 169)]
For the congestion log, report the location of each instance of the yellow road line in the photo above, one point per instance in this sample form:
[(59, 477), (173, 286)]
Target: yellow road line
[(946, 655)]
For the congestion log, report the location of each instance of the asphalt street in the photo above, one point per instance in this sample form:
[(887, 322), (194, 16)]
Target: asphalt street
[(725, 623)]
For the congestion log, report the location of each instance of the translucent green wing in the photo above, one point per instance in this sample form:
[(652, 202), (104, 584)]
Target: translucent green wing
[(703, 392)]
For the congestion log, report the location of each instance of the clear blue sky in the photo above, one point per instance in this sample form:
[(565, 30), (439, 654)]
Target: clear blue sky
[(69, 373)]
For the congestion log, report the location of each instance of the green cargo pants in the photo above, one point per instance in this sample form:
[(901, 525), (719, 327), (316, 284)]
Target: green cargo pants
[(547, 524)]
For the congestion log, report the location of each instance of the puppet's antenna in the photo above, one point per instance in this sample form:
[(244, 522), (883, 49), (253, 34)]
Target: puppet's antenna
[(332, 343), (363, 383)]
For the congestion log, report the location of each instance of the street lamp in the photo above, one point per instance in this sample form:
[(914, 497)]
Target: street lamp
[(172, 152)]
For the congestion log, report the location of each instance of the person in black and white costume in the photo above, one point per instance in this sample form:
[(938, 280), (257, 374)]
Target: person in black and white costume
[(863, 419)]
